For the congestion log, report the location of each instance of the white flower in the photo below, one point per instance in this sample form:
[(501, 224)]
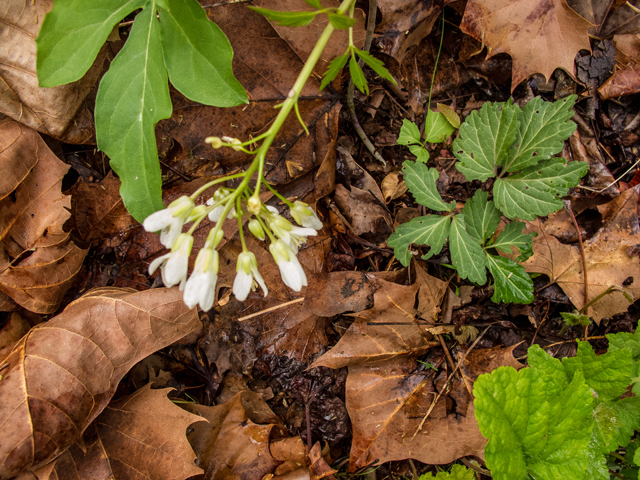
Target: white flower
[(174, 265), (298, 236), (305, 216), (216, 213), (247, 269), (290, 269), (201, 286), (170, 220)]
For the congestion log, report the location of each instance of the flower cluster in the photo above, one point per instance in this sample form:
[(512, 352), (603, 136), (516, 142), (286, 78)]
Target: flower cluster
[(265, 222)]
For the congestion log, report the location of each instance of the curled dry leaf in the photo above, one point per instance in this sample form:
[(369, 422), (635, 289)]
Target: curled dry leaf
[(62, 374), (142, 435), (48, 110), (37, 258), (392, 187), (623, 82)]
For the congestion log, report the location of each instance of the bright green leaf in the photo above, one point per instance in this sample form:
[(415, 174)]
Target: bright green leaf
[(133, 96), (430, 230), (421, 153), (466, 253), (314, 3), (287, 19), (341, 22), (485, 138), (198, 56), (512, 284), (458, 472), (72, 34), (375, 65), (437, 128), (481, 217), (409, 133), (421, 181), (335, 67), (544, 126), (575, 319), (450, 114), (512, 236), (358, 76)]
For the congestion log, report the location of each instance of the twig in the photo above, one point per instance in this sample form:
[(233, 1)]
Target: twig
[(267, 310), (612, 183), (567, 207), (371, 25)]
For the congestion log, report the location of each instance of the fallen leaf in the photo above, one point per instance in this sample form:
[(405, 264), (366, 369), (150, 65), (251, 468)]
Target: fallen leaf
[(12, 331), (362, 211), (622, 82), (292, 452), (142, 435), (231, 445), (319, 467), (37, 258), (63, 373), (392, 187), (48, 110), (540, 35)]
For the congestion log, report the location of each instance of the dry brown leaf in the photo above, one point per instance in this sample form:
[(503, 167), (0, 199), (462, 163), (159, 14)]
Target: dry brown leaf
[(12, 331), (37, 259), (292, 452), (140, 436), (63, 373), (623, 82), (362, 211), (392, 187), (540, 35), (48, 110), (231, 445)]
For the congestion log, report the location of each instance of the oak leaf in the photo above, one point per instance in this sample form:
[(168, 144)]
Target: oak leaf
[(540, 35), (62, 373), (142, 435)]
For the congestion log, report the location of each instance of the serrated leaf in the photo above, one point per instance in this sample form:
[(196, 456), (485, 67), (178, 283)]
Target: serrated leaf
[(484, 140), (513, 236), (287, 19), (575, 319), (437, 128), (481, 217), (340, 21), (544, 126), (421, 153), (450, 114), (430, 230), (335, 67), (466, 253), (314, 3), (537, 423), (458, 472), (512, 284), (133, 96), (409, 134), (198, 56), (358, 76), (421, 181), (72, 34), (535, 191), (375, 65)]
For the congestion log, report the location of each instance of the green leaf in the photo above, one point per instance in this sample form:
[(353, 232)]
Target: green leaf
[(512, 236), (409, 133), (198, 56), (481, 216), (535, 191), (458, 472), (358, 76), (512, 284), (466, 253), (431, 230), (287, 19), (375, 65), (421, 181), (575, 319), (72, 34), (537, 423), (335, 67), (450, 114), (341, 21), (314, 3), (133, 96), (544, 126), (484, 140), (437, 128)]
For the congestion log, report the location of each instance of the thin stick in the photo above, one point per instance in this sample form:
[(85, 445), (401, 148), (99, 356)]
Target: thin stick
[(612, 183), (567, 206), (297, 300)]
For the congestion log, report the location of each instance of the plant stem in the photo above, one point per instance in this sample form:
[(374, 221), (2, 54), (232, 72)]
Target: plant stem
[(435, 67)]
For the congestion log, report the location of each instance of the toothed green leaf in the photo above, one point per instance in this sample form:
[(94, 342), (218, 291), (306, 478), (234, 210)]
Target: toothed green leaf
[(466, 253), (421, 181), (512, 284), (409, 133), (375, 65), (512, 236), (287, 19), (631, 341), (544, 126), (430, 230), (422, 155), (437, 128), (358, 76), (575, 319), (335, 67), (341, 22), (458, 472), (484, 140), (481, 217)]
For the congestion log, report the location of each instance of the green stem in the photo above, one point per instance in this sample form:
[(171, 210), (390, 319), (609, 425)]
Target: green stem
[(240, 229), (266, 228), (195, 194), (273, 190), (435, 67)]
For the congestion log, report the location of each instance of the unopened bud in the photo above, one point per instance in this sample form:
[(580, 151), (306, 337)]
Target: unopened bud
[(197, 213), (254, 205), (215, 142), (236, 141), (214, 239), (256, 229)]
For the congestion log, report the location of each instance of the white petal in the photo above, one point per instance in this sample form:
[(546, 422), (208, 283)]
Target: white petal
[(175, 270), (194, 288), (303, 232), (216, 213), (292, 275), (312, 221), (272, 209), (242, 285), (170, 234), (207, 298), (157, 221), (157, 262), (258, 278)]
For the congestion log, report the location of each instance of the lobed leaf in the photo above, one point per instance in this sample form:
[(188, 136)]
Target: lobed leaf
[(466, 253), (335, 67), (421, 181), (481, 216), (341, 21), (133, 96), (544, 126), (458, 472), (430, 230), (437, 128), (485, 139), (357, 75), (375, 65), (287, 19), (409, 133), (512, 284), (513, 236)]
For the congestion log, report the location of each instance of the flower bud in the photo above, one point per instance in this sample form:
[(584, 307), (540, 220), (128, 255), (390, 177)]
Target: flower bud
[(215, 142), (214, 239), (197, 213), (236, 141), (256, 229), (254, 205)]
